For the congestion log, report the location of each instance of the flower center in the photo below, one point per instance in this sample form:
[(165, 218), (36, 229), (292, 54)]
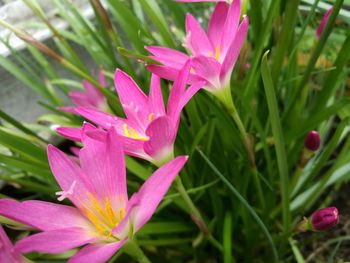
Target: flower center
[(103, 217)]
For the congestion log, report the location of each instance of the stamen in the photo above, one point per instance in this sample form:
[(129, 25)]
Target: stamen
[(131, 133), (66, 194), (217, 52), (95, 221), (110, 213), (97, 205), (121, 214), (150, 117)]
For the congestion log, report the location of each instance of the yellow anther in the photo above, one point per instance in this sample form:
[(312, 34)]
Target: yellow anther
[(217, 52), (150, 117), (97, 205), (121, 214), (110, 213), (131, 133)]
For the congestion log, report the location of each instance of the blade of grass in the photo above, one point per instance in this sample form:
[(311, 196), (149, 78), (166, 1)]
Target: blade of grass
[(279, 141)]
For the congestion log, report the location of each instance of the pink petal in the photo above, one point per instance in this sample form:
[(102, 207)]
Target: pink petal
[(79, 98), (102, 119), (162, 136), (175, 117), (96, 253), (156, 97), (167, 56), (154, 189), (104, 165), (231, 25), (70, 177), (69, 109), (197, 40), (42, 215), (207, 68), (94, 96), (55, 241), (130, 94), (73, 134), (234, 50), (217, 23), (7, 252), (178, 88), (323, 22)]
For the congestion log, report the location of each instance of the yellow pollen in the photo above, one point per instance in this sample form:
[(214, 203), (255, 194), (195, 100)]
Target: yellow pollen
[(150, 117), (217, 52), (131, 133)]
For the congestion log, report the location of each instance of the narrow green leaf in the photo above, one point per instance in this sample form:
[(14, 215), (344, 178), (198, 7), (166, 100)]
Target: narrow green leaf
[(279, 140)]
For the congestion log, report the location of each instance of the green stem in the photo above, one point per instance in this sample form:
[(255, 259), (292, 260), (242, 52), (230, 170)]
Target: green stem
[(133, 249), (194, 212), (250, 151)]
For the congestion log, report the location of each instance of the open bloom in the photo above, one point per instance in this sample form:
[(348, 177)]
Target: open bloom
[(149, 131), (91, 97), (8, 254), (103, 217), (214, 53), (323, 22)]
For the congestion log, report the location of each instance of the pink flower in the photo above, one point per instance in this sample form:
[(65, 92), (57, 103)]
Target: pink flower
[(149, 130), (103, 218), (91, 97), (323, 22), (7, 252), (214, 53)]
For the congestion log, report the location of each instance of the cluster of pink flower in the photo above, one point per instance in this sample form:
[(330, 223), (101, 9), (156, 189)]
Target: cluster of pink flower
[(104, 218)]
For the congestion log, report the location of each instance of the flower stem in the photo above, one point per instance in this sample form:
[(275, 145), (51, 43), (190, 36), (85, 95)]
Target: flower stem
[(249, 148), (194, 212), (133, 249)]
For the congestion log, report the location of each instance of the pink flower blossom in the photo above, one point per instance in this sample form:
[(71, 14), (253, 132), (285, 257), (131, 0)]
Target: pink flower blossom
[(103, 218), (149, 130), (323, 22), (214, 53), (91, 97), (8, 254)]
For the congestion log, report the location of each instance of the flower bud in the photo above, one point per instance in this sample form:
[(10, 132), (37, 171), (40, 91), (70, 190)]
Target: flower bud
[(324, 219), (323, 22), (312, 141)]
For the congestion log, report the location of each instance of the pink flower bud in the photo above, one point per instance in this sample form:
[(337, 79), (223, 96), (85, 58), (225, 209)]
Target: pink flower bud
[(312, 141), (324, 219), (323, 22)]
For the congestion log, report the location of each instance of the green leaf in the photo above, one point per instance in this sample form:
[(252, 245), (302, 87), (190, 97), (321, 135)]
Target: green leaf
[(279, 140)]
